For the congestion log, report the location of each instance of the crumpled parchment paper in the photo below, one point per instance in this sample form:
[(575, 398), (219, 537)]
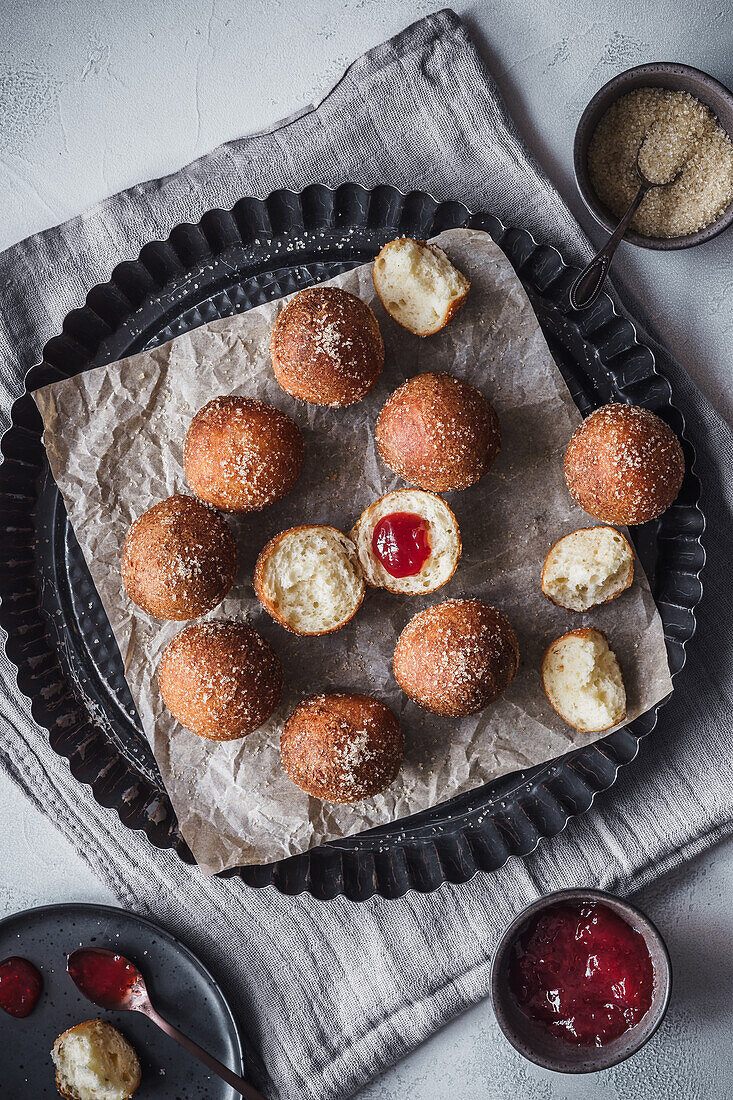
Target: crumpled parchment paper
[(114, 437)]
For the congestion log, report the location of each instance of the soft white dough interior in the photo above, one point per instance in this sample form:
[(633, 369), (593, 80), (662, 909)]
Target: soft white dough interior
[(314, 580), (587, 567), (418, 284), (96, 1063), (583, 680), (443, 537)]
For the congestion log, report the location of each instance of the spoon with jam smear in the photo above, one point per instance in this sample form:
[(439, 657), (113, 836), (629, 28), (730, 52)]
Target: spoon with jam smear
[(113, 982)]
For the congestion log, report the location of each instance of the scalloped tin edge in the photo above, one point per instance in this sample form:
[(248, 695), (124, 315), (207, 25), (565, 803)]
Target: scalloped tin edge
[(362, 866)]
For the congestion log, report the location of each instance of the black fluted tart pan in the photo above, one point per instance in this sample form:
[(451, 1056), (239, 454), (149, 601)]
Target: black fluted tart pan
[(58, 635)]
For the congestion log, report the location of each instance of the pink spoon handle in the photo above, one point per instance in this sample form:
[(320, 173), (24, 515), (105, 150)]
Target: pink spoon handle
[(233, 1079)]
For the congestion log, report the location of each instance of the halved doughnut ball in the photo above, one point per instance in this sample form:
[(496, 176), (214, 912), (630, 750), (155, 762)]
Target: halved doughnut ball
[(342, 747), (309, 579), (326, 347), (438, 433), (457, 657), (587, 568), (418, 285), (179, 559), (94, 1061), (408, 541), (583, 681), (241, 455), (220, 679), (624, 465)]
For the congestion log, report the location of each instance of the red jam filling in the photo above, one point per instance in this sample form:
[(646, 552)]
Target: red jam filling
[(582, 973), (20, 986), (104, 979), (400, 543)]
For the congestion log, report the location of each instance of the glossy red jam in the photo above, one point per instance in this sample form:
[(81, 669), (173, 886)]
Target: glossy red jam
[(20, 986), (104, 978), (583, 973), (400, 543)]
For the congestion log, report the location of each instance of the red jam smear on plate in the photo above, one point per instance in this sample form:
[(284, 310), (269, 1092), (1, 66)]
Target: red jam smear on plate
[(400, 543), (104, 979), (583, 973), (20, 986)]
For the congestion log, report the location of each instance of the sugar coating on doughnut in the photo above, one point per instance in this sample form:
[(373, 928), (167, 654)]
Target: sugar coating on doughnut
[(624, 465), (220, 679), (457, 657), (438, 432), (241, 455), (179, 559), (342, 747), (326, 347)]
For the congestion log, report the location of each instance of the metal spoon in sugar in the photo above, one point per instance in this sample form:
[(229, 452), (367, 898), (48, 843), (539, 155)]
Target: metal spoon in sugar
[(589, 283)]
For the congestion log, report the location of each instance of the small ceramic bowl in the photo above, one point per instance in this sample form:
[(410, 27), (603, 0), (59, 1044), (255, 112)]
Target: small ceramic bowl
[(534, 1041), (660, 74)]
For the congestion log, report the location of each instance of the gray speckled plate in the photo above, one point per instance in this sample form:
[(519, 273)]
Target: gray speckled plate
[(180, 987)]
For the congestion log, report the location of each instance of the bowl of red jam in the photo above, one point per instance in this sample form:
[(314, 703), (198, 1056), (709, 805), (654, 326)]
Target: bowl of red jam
[(580, 981)]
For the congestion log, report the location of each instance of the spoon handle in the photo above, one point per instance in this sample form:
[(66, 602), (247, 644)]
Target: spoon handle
[(233, 1079), (588, 285)]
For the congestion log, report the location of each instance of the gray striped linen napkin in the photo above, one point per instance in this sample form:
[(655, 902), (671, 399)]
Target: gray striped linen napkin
[(330, 994)]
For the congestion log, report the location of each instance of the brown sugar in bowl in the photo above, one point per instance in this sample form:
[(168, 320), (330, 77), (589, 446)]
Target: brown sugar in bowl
[(673, 77), (326, 347)]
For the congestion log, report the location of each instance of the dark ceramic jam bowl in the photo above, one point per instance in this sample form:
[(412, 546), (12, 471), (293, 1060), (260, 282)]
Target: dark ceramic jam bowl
[(659, 74), (533, 1040)]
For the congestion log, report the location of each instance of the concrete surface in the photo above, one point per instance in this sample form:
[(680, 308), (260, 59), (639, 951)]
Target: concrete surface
[(95, 97)]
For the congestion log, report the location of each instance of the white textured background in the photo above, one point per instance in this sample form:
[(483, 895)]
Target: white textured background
[(97, 96)]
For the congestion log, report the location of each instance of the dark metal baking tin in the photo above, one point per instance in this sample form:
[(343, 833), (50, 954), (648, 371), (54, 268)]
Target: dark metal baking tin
[(59, 637)]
